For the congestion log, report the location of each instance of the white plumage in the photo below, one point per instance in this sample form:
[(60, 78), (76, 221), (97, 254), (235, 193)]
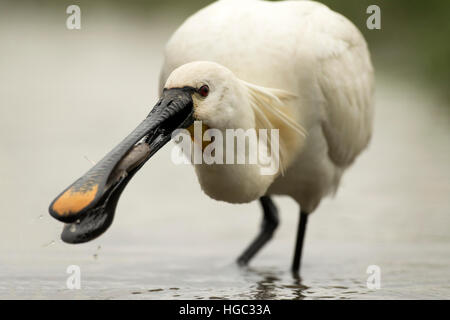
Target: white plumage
[(299, 57)]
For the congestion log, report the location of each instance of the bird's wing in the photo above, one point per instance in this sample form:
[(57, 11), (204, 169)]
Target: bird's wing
[(345, 79)]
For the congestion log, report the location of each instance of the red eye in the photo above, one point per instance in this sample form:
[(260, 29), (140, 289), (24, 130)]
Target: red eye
[(203, 91)]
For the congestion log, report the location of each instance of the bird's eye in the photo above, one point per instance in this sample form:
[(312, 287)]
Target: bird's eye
[(203, 91)]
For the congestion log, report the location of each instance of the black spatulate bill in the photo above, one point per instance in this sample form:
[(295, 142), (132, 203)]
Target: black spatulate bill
[(88, 205)]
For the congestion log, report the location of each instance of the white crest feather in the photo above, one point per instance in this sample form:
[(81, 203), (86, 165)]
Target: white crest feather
[(269, 104)]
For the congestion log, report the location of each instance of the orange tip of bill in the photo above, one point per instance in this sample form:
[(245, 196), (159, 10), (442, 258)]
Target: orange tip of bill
[(73, 201)]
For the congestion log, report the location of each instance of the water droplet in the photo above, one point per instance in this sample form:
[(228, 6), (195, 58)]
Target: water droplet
[(78, 221), (73, 228), (49, 244), (91, 161)]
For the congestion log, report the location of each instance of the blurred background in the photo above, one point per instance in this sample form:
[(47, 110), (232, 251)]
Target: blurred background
[(68, 96)]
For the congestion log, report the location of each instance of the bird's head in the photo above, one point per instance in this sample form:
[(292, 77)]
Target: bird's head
[(220, 99)]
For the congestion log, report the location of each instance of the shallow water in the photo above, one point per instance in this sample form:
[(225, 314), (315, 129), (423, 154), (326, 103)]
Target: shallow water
[(168, 240)]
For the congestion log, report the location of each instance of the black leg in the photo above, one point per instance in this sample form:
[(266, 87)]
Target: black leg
[(269, 224), (299, 244)]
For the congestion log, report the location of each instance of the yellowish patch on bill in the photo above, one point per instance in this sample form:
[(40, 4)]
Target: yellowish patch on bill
[(204, 128), (72, 202)]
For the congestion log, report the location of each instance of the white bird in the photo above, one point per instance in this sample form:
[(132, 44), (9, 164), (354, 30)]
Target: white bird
[(296, 66)]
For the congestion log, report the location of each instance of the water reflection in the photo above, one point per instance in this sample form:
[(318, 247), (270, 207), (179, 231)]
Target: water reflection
[(232, 282), (272, 285)]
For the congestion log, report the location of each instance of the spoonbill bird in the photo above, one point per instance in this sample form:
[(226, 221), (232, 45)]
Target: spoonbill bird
[(295, 66)]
